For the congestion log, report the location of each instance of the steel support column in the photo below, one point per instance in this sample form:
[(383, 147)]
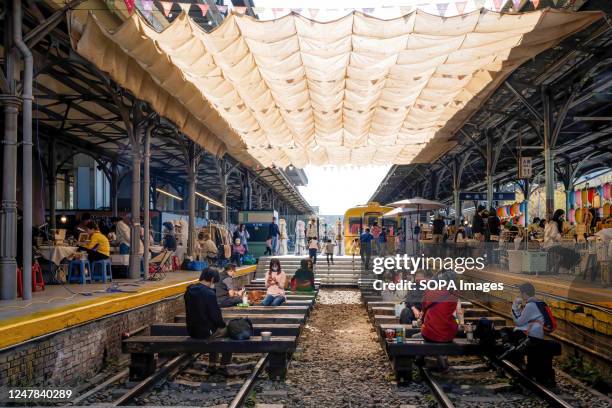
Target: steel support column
[(135, 205), (549, 162), (489, 171), (52, 185), (26, 149), (146, 199), (8, 205), (114, 188)]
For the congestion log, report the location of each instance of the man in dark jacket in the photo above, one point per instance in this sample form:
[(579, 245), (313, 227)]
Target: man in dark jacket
[(203, 315), (227, 295), (478, 224), (274, 232)]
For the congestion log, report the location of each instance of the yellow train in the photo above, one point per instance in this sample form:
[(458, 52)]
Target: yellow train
[(357, 219)]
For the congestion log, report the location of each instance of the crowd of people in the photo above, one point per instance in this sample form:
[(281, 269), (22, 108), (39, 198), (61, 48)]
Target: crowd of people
[(217, 289)]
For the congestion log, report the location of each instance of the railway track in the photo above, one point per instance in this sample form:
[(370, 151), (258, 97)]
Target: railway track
[(489, 382), (183, 378)]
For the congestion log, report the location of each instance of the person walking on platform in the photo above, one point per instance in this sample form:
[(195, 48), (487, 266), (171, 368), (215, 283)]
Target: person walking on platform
[(275, 284), (227, 295), (313, 248), (365, 248), (329, 251), (274, 232), (203, 315)]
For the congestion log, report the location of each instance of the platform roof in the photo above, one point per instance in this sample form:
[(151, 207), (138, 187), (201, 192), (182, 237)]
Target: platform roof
[(514, 112), (358, 90), (74, 106)]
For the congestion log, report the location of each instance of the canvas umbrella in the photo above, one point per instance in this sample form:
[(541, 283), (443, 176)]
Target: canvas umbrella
[(417, 204)]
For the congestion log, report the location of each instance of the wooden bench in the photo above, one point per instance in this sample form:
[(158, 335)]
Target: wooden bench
[(257, 318), (180, 329), (403, 354), (143, 349), (389, 319)]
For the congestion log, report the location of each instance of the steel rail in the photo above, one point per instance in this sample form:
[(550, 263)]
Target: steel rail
[(244, 391), (553, 335), (442, 398), (151, 380), (543, 392)]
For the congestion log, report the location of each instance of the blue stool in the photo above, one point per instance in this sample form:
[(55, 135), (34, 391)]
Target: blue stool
[(101, 270), (76, 271)]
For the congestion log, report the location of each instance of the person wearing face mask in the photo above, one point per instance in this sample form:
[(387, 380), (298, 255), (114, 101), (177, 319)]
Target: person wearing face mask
[(275, 284)]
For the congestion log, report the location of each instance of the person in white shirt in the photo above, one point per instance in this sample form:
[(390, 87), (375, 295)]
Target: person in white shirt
[(123, 234), (562, 258)]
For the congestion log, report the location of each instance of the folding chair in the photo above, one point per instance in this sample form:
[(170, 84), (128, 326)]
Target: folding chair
[(159, 264)]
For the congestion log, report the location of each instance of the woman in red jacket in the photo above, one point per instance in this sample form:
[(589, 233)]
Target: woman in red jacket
[(439, 316)]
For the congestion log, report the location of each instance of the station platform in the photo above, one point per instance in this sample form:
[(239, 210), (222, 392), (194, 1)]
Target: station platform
[(568, 287), (62, 306)]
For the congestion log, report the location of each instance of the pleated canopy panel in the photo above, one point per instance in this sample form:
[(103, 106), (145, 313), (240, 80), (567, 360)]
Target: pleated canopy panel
[(354, 91)]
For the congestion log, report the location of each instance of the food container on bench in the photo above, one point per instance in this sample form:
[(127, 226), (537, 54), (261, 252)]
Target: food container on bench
[(390, 334), (266, 335)]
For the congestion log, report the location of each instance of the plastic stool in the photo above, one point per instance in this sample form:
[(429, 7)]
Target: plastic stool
[(101, 270), (79, 266), (37, 277)]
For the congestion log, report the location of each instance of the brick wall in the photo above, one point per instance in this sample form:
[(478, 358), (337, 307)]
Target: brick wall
[(82, 351)]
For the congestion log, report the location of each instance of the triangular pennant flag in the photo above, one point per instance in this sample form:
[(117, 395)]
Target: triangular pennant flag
[(276, 11), (497, 5), (460, 6), (167, 6), (222, 9), (313, 12), (367, 10), (535, 3), (442, 8), (129, 4), (240, 10), (479, 4), (258, 10), (203, 8), (516, 4)]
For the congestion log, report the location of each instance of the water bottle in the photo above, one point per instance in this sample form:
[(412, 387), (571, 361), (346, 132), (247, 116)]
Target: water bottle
[(245, 298)]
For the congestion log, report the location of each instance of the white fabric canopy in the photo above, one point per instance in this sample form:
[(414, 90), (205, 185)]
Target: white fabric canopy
[(358, 90)]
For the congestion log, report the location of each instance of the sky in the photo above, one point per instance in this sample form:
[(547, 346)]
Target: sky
[(335, 189)]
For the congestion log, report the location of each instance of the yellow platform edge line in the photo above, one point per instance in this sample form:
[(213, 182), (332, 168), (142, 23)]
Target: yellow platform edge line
[(28, 327)]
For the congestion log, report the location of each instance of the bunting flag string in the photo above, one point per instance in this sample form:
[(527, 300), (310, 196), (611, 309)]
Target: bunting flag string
[(442, 8)]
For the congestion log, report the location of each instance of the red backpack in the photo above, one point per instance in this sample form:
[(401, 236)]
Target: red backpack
[(550, 323)]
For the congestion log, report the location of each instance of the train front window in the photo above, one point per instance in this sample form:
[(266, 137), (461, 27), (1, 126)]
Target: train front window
[(354, 225)]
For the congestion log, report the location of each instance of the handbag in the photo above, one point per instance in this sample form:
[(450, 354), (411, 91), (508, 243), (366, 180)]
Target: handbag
[(240, 329)]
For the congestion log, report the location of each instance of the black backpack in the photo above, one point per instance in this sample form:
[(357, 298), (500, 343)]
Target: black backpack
[(240, 329)]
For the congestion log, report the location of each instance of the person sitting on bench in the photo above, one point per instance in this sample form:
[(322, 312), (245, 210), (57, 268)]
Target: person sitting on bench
[(238, 251), (413, 301), (303, 279), (438, 316), (528, 315), (275, 284), (98, 247), (227, 295), (203, 315)]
